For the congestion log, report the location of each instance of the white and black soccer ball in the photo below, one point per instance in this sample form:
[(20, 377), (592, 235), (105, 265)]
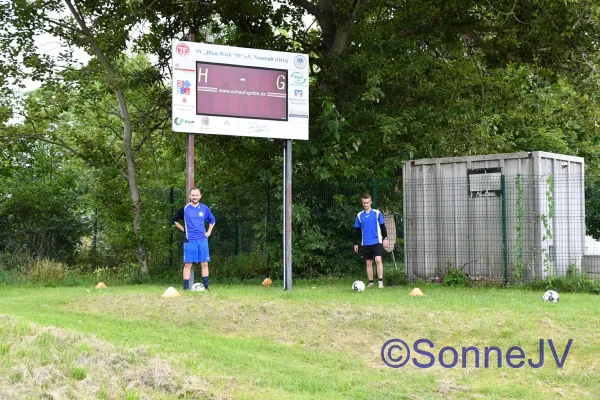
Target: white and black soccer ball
[(358, 286), (551, 296), (197, 287)]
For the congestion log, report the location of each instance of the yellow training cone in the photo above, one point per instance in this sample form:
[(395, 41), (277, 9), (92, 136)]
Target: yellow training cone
[(416, 292), (101, 285), (267, 282), (171, 292)]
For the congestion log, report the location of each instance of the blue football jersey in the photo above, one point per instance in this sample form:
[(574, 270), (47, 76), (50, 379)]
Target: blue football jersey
[(370, 223), (195, 218)]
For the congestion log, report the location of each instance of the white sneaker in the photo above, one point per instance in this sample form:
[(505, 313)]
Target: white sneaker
[(370, 285), (380, 284)]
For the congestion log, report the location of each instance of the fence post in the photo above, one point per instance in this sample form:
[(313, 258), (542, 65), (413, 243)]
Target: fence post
[(374, 193), (267, 214), (237, 233), (504, 238), (171, 237), (95, 239)]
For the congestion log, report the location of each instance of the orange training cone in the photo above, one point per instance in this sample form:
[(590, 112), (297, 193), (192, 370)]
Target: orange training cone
[(416, 292), (171, 292), (267, 282), (101, 285)]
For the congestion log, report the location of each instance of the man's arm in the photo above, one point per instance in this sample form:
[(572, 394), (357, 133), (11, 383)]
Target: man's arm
[(209, 231), (383, 234), (382, 228), (357, 233), (356, 236), (211, 222), (178, 217), (383, 231)]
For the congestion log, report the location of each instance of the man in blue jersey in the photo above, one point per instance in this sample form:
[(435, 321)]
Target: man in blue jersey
[(369, 234), (195, 250)]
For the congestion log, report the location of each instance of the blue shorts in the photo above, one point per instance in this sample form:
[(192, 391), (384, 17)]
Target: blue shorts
[(195, 252)]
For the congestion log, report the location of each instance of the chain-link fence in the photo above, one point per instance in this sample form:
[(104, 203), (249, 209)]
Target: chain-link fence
[(247, 240), (527, 228), (496, 228)]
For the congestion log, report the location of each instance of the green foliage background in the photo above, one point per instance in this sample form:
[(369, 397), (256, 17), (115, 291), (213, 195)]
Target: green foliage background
[(389, 81)]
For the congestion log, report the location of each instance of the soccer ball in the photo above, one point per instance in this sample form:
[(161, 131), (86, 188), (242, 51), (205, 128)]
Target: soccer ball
[(552, 296), (358, 286), (197, 287)]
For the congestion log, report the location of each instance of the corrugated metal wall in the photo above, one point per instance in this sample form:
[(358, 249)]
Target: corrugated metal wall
[(453, 215)]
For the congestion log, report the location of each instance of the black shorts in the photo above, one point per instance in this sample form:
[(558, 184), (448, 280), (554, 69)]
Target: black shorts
[(370, 251)]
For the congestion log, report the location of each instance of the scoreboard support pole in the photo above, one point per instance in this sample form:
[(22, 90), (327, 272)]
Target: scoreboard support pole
[(189, 166), (287, 215), (189, 180)]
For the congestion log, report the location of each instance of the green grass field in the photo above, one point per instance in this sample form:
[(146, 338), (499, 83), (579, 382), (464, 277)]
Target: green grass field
[(321, 341)]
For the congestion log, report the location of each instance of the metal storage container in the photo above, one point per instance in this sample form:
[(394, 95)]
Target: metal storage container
[(511, 217)]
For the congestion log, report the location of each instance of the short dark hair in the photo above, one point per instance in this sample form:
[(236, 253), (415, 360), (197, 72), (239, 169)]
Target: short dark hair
[(195, 188), (366, 196)]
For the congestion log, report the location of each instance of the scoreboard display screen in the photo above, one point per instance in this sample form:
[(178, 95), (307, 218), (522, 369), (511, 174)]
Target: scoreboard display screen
[(237, 91), (240, 91)]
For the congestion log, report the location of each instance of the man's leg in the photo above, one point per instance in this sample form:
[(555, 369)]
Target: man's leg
[(187, 268), (370, 272), (190, 256), (204, 258), (204, 273), (379, 270)]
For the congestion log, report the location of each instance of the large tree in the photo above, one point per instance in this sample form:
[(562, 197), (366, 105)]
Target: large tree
[(388, 78)]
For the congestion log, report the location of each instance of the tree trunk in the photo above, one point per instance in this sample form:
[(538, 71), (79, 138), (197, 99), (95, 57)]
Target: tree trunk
[(132, 181), (141, 253)]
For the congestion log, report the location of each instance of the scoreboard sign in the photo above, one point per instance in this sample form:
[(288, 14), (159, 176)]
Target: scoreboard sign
[(236, 91)]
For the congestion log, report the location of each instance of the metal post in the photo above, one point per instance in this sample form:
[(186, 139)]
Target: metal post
[(266, 229), (504, 238), (171, 237), (189, 163), (374, 193), (287, 215), (95, 240), (237, 246)]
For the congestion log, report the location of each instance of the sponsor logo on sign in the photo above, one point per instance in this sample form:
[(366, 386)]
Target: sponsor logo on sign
[(298, 114), (182, 121), (300, 61), (298, 93), (184, 87), (257, 128), (182, 49), (298, 78), (204, 121)]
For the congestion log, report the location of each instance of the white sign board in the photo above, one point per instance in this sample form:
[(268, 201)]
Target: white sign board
[(224, 90)]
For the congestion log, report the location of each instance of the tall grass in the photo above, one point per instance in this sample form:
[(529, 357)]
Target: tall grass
[(320, 341)]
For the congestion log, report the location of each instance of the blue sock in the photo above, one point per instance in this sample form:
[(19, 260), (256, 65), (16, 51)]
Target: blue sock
[(186, 284), (205, 281)]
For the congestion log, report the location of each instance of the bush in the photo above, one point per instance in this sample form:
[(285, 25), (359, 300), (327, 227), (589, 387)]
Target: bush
[(20, 263), (456, 277), (46, 272), (394, 277), (137, 277), (10, 277), (241, 266), (573, 283)]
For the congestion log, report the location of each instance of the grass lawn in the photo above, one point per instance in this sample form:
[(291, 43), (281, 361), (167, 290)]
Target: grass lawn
[(321, 341)]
